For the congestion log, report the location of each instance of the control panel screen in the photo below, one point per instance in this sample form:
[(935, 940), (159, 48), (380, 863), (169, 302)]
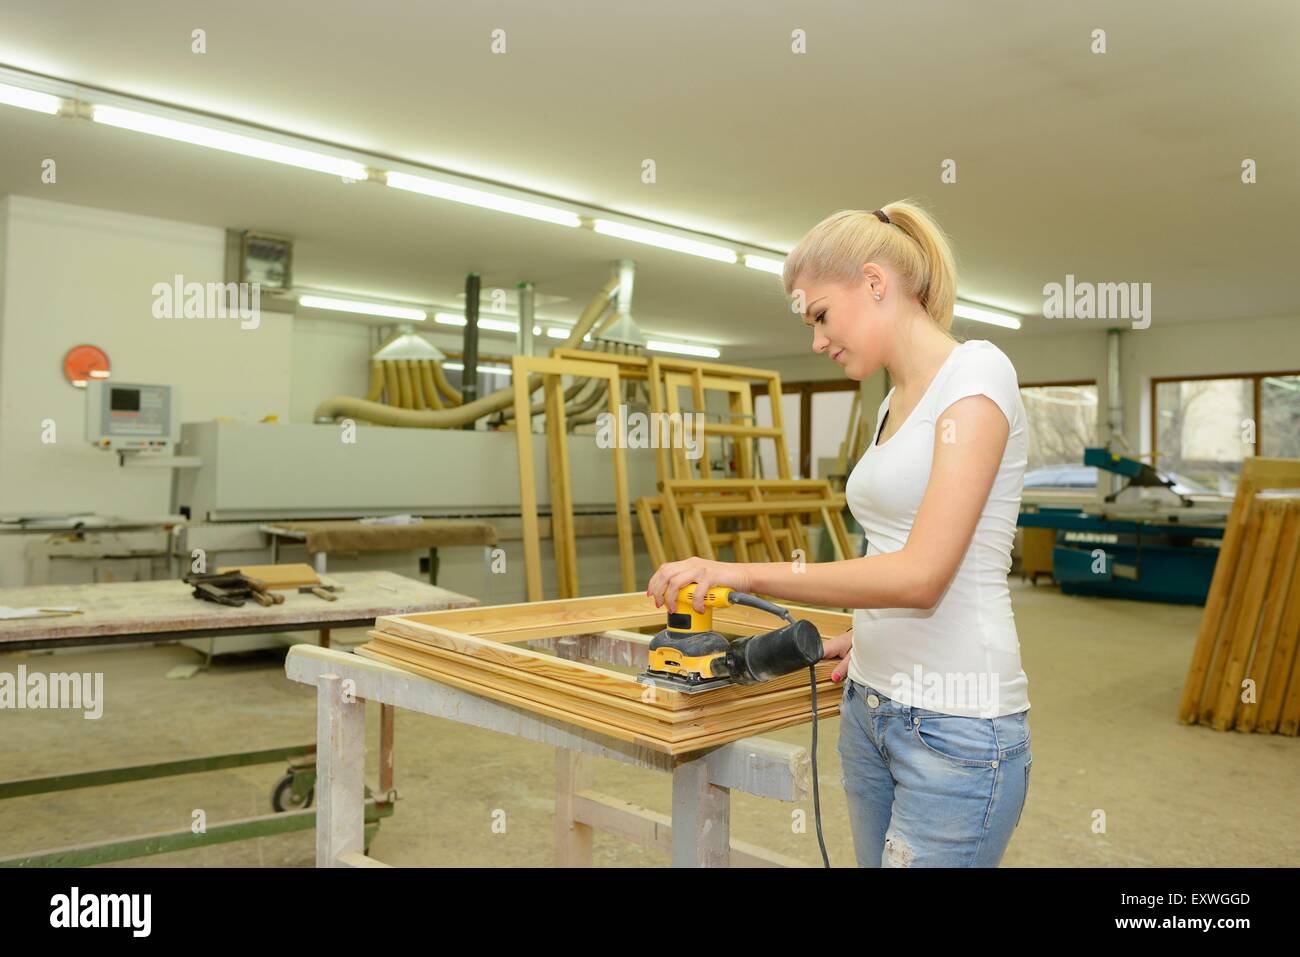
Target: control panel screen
[(124, 400)]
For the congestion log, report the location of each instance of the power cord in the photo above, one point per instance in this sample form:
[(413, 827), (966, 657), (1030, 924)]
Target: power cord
[(741, 598), (817, 797)]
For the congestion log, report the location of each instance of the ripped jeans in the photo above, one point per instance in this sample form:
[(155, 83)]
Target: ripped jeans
[(927, 789)]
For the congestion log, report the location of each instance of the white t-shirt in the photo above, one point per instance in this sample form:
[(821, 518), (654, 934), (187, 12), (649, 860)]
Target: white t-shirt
[(962, 656)]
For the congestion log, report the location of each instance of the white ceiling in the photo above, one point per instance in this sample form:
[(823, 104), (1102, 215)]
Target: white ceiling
[(1116, 167)]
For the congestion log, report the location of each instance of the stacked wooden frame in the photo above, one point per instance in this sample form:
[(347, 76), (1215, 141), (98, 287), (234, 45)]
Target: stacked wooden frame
[(558, 658), (1243, 673), (691, 512), (563, 534), (755, 518)]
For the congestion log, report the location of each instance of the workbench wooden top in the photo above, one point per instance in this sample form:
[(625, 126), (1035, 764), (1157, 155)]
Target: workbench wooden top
[(334, 535), (161, 607)]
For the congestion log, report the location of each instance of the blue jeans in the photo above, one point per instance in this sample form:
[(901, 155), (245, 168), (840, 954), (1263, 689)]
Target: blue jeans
[(927, 789)]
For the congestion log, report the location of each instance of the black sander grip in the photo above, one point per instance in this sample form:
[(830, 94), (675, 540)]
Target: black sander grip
[(774, 653)]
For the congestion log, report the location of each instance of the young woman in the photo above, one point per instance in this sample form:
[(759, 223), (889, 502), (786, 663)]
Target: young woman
[(934, 737)]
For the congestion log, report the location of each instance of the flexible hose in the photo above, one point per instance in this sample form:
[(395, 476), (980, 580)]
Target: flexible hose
[(404, 383), (393, 395), (431, 397), (380, 414), (376, 390), (453, 394)]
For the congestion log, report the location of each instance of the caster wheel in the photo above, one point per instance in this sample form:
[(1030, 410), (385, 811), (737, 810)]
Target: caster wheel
[(283, 798)]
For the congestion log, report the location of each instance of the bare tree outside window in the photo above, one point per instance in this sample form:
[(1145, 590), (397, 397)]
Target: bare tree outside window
[(1200, 430), (1206, 427), (1279, 425), (1062, 422)]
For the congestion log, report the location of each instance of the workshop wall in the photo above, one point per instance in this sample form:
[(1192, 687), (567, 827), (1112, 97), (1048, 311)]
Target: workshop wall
[(79, 275)]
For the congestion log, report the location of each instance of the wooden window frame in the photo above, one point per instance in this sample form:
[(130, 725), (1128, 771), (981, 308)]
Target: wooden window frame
[(485, 650), (806, 390), (1257, 379)]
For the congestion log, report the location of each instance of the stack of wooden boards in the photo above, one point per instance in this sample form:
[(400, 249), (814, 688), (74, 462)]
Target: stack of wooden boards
[(1243, 673), (496, 652), (267, 580)]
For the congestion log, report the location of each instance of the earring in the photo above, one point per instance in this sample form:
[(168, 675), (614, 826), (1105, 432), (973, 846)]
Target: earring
[(877, 296)]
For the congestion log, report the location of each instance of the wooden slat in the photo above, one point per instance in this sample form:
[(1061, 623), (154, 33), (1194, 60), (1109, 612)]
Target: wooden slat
[(1236, 608), (1284, 666), (1245, 625), (654, 545), (294, 575), (1288, 544), (1252, 612)]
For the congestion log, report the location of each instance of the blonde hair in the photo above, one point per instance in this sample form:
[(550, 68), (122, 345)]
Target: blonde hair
[(912, 242)]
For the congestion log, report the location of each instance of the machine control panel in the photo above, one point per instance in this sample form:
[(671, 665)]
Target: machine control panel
[(126, 417)]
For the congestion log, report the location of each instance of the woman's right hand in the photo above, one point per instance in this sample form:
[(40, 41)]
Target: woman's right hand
[(841, 646)]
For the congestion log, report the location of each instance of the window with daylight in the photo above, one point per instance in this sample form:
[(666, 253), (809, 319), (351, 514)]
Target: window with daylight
[(1062, 421), (1204, 427), (816, 417)]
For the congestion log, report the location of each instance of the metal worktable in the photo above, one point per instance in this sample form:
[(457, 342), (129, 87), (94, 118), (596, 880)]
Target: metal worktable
[(133, 612)]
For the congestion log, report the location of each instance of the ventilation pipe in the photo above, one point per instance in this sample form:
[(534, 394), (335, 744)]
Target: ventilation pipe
[(1114, 403), (380, 414), (621, 330), (469, 371), (524, 340), (1114, 394)]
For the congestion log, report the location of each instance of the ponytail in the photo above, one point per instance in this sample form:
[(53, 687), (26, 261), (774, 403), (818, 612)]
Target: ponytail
[(911, 241)]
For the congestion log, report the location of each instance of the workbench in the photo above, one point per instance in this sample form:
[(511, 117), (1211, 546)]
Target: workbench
[(697, 834), (332, 535), (114, 613), (155, 611)]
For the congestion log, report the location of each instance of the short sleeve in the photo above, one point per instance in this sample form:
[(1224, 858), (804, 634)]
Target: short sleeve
[(984, 370)]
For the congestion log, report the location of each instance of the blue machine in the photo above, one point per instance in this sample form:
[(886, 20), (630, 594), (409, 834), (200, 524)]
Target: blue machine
[(1148, 553)]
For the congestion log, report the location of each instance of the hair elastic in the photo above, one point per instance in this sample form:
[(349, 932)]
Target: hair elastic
[(880, 215)]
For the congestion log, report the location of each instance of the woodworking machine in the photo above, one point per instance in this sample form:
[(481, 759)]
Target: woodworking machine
[(1148, 541), (690, 656)]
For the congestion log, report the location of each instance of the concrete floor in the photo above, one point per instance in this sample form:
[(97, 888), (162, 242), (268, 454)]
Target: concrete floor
[(1104, 676)]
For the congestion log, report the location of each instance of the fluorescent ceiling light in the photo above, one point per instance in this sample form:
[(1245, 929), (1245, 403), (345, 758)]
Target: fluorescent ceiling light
[(362, 308), (232, 136), (482, 369), (993, 317), (227, 142), (652, 237), (29, 99), (553, 333), (774, 266), (484, 322), (483, 198), (682, 349)]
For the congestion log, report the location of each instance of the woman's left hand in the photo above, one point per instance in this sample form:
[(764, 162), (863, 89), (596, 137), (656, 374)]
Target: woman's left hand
[(672, 577)]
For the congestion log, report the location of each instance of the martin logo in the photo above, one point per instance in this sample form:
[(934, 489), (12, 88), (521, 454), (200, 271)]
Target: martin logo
[(102, 910)]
